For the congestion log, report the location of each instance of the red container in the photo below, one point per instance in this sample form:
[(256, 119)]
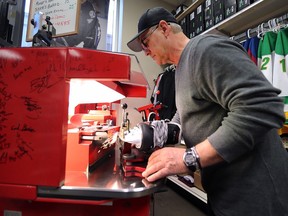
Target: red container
[(34, 92)]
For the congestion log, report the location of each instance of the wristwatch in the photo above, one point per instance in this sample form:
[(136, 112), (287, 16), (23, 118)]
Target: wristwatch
[(191, 159)]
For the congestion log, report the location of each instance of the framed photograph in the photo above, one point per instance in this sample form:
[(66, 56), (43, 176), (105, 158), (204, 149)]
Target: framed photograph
[(62, 14)]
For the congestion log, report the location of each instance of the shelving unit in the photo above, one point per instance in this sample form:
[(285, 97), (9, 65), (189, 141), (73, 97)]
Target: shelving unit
[(189, 9), (249, 17), (192, 190)]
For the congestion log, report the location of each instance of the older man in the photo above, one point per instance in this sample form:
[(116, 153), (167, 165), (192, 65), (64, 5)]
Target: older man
[(229, 115)]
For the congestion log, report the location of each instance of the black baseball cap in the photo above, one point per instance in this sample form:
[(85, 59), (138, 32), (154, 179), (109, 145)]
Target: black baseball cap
[(150, 18)]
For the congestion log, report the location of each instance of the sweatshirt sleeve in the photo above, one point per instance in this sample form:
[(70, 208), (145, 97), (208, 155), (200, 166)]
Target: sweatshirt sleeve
[(176, 118), (230, 79)]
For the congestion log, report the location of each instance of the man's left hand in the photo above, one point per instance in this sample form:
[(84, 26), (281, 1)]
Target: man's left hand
[(164, 162)]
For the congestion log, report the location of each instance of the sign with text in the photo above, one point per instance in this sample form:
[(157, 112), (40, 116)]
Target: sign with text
[(64, 15)]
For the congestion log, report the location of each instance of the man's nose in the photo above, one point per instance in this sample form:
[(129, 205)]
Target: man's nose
[(147, 52)]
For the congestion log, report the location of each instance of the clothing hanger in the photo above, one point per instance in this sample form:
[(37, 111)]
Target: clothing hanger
[(261, 30), (248, 33), (280, 24), (272, 25)]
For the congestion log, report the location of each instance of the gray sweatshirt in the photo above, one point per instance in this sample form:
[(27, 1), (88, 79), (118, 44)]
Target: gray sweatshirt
[(221, 95)]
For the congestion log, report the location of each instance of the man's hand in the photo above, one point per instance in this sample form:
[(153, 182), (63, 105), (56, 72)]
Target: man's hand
[(164, 162)]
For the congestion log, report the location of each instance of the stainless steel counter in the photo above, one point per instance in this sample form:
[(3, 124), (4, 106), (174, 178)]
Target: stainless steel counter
[(105, 182)]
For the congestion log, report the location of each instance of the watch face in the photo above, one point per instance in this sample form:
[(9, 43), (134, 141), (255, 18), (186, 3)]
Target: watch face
[(190, 159)]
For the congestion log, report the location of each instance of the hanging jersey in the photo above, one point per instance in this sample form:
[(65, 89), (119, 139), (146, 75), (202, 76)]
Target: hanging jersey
[(164, 93), (280, 67), (246, 44), (267, 54), (286, 108), (253, 48), (259, 53)]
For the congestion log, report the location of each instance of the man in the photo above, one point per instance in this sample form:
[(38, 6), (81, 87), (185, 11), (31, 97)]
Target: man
[(229, 114)]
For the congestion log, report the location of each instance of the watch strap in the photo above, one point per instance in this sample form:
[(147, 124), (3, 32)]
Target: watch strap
[(193, 149)]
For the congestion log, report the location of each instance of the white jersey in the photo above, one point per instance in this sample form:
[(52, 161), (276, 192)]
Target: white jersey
[(266, 53), (280, 67)]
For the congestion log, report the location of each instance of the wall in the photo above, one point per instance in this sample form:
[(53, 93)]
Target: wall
[(132, 10)]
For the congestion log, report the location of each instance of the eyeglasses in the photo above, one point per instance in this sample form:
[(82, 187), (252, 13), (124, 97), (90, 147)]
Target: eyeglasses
[(145, 44)]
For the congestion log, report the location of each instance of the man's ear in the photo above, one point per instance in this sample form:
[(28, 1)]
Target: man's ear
[(165, 27)]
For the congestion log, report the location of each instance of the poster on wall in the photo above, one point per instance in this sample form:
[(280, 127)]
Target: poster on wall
[(62, 14), (93, 22)]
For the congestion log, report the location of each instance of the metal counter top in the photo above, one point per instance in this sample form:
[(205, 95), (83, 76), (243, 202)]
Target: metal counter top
[(105, 182)]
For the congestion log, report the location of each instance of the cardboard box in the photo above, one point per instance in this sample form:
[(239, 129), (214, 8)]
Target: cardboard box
[(183, 24), (180, 9), (197, 180), (230, 7), (191, 24), (243, 3), (199, 20), (208, 14), (218, 11)]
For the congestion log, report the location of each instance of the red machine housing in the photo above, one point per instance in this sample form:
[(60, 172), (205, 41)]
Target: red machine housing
[(34, 98)]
